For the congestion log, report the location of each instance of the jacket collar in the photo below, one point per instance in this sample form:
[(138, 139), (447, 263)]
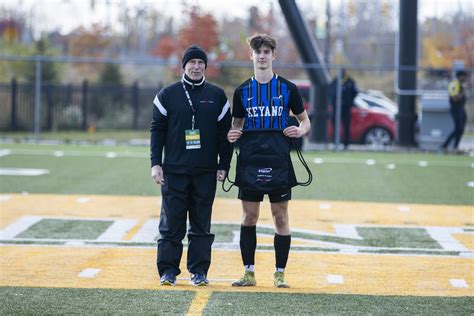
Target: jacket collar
[(191, 82)]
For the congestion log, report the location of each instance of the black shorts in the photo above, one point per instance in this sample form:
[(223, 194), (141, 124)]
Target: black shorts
[(275, 197)]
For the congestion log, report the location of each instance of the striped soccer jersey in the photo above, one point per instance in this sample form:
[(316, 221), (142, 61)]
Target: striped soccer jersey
[(266, 105)]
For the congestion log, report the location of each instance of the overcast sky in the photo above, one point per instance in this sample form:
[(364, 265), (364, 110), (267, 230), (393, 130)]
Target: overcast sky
[(65, 15)]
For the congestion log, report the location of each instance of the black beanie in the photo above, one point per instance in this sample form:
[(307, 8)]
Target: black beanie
[(192, 52)]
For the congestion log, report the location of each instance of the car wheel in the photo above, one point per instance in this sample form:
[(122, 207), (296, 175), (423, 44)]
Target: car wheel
[(377, 137)]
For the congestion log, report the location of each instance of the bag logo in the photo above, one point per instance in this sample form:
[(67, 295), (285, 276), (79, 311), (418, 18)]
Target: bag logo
[(265, 170)]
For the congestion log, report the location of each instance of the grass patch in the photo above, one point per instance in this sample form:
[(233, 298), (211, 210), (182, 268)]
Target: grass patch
[(222, 303), (60, 301), (66, 229), (342, 176)]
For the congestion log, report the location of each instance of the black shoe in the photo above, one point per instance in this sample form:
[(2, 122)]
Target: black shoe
[(199, 279), (168, 279)]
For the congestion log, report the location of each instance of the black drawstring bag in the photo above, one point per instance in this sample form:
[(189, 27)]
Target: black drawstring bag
[(264, 163)]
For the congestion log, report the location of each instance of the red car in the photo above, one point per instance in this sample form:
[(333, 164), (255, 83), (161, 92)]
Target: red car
[(373, 118)]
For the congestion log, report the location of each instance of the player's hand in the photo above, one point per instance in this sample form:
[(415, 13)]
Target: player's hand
[(293, 132), (221, 175), (157, 174), (233, 135)]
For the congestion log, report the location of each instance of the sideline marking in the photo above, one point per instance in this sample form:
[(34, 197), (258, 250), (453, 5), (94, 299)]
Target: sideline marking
[(335, 279), (89, 273), (324, 206), (4, 198), (111, 155), (422, 163), (58, 153), (458, 283), (22, 172), (403, 208), (199, 302), (83, 200), (5, 152)]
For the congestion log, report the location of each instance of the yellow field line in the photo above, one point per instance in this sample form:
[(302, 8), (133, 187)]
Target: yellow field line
[(199, 302)]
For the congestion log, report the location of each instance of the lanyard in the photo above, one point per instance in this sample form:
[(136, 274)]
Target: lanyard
[(190, 103)]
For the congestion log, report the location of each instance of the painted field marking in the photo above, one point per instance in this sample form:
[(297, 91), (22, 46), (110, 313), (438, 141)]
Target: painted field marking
[(5, 152), (19, 226), (89, 273), (4, 198), (83, 200), (461, 283), (58, 153), (318, 161), (403, 208), (325, 206), (117, 230), (199, 302), (335, 279), (370, 162), (111, 155), (390, 166), (22, 172), (443, 236), (149, 229), (422, 163), (470, 184)]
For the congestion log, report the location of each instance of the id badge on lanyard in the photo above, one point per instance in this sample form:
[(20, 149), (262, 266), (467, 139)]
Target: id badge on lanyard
[(192, 136)]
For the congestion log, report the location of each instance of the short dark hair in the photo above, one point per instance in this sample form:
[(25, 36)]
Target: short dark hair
[(258, 40), (461, 73)]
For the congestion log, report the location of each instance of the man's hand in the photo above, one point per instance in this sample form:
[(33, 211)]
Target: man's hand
[(233, 135), (293, 131), (221, 175), (157, 174)]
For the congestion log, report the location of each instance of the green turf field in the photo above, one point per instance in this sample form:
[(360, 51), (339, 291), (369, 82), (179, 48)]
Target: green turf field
[(411, 253), (346, 176)]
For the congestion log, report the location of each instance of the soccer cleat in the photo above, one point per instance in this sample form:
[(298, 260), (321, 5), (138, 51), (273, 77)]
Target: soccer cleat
[(168, 279), (279, 280), (247, 280), (199, 279)]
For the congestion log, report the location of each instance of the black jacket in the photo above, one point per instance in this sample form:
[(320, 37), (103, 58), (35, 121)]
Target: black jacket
[(172, 115), (348, 93)]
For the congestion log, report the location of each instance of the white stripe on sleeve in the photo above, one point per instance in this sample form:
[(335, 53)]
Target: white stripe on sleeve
[(160, 107), (224, 111)]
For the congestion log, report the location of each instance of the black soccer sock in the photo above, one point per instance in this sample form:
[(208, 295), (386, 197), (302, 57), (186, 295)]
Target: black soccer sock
[(248, 244), (282, 249)]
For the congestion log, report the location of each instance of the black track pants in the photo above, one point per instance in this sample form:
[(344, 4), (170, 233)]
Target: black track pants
[(183, 194)]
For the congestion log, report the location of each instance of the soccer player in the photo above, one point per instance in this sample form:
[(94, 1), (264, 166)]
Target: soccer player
[(264, 102)]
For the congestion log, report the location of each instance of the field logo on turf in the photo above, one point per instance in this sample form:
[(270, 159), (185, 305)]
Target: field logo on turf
[(367, 239)]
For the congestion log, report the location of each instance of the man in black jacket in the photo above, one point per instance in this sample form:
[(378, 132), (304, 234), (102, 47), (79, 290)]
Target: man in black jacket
[(348, 93), (191, 119)]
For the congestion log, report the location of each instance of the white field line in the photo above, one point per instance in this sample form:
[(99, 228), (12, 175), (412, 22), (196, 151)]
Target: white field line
[(148, 232), (19, 226), (89, 273), (117, 230), (335, 279), (460, 283), (23, 172), (5, 152), (443, 236)]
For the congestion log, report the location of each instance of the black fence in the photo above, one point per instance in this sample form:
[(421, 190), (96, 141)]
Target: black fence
[(76, 107)]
